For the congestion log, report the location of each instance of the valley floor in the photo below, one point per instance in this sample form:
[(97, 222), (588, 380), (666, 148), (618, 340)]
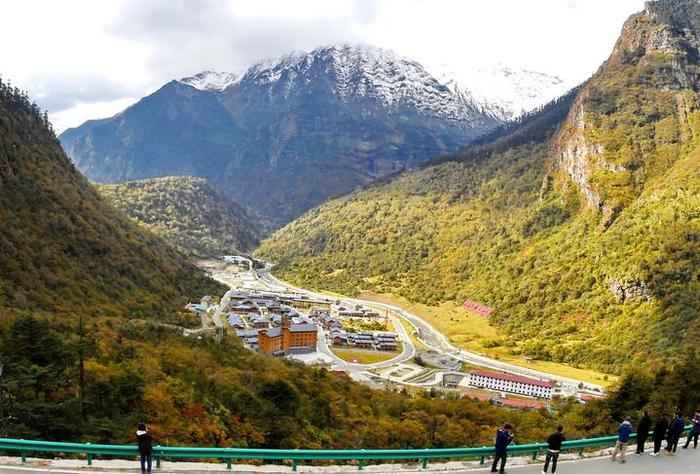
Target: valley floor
[(469, 331)]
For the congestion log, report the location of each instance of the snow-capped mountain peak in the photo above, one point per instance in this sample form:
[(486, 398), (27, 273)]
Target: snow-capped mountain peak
[(211, 80), (506, 92), (359, 72)]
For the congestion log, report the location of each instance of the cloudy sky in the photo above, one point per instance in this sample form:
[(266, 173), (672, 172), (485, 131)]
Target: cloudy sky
[(83, 59)]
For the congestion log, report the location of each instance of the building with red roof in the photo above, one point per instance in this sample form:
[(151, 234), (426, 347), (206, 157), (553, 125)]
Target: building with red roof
[(511, 383)]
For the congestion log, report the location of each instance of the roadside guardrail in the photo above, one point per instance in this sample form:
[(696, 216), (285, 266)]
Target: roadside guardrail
[(296, 456)]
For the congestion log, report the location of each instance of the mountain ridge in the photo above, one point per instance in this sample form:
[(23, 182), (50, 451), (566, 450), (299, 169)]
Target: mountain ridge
[(188, 212), (287, 134)]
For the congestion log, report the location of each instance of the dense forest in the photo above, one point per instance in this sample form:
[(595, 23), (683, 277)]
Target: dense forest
[(200, 392), (187, 212), (580, 226)]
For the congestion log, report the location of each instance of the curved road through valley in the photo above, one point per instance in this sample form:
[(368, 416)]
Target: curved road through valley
[(433, 339)]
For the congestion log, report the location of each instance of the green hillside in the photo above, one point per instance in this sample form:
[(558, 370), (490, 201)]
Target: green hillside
[(580, 226), (187, 212), (65, 250)]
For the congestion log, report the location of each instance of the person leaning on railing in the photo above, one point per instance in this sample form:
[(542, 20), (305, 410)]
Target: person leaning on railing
[(694, 432)]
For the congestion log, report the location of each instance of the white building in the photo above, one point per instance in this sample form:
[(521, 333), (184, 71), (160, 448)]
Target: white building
[(510, 383)]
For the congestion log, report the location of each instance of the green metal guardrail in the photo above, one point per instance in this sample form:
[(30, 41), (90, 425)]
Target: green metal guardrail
[(296, 455)]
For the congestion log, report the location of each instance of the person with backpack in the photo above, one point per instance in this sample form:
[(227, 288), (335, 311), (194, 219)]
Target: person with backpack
[(694, 432), (145, 442), (643, 432), (675, 430), (623, 437), (659, 435), (501, 442), (553, 449)]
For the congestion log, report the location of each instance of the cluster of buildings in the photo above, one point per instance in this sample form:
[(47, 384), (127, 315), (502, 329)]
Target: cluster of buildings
[(511, 383), (338, 310), (383, 341), (266, 322)]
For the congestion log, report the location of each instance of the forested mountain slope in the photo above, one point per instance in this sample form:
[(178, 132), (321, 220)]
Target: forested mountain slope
[(187, 212), (584, 236), (62, 247)]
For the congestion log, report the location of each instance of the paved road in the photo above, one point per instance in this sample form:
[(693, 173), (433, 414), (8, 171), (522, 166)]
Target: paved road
[(437, 341)]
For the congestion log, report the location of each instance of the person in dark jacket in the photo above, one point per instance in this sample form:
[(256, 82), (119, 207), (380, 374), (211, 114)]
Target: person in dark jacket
[(675, 430), (694, 432), (660, 429), (643, 431), (502, 440), (553, 449), (145, 441), (623, 437)]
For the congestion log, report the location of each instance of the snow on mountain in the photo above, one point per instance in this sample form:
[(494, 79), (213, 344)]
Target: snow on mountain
[(505, 92), (359, 72), (211, 80)]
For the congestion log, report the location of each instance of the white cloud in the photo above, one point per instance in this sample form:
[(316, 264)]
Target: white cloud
[(83, 58)]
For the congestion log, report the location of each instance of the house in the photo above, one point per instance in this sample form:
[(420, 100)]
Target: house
[(340, 311), (249, 336), (288, 338), (258, 320), (520, 404), (510, 383), (206, 300), (339, 338), (236, 321), (387, 345), (196, 307), (363, 341), (243, 307)]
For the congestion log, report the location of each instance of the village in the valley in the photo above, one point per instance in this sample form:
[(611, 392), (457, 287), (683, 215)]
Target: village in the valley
[(381, 346)]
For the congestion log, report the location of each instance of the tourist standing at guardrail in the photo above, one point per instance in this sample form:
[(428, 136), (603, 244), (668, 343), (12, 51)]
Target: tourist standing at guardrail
[(503, 439), (623, 437), (643, 431), (659, 435), (694, 432), (675, 430), (553, 449), (145, 441)]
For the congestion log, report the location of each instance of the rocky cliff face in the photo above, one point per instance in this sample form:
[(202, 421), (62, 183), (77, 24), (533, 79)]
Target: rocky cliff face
[(653, 56)]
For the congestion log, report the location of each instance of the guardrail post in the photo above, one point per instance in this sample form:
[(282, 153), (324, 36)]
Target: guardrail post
[(482, 459), (159, 451), (580, 452), (294, 465), (23, 455), (89, 458), (425, 463), (361, 463), (534, 455), (229, 463)]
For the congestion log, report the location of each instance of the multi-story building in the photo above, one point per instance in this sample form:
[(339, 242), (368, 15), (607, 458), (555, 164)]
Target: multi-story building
[(511, 383), (288, 338)]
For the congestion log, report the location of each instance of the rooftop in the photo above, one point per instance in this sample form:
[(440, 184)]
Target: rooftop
[(512, 378)]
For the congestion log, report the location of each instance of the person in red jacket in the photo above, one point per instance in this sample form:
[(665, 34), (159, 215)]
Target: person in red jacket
[(145, 441)]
